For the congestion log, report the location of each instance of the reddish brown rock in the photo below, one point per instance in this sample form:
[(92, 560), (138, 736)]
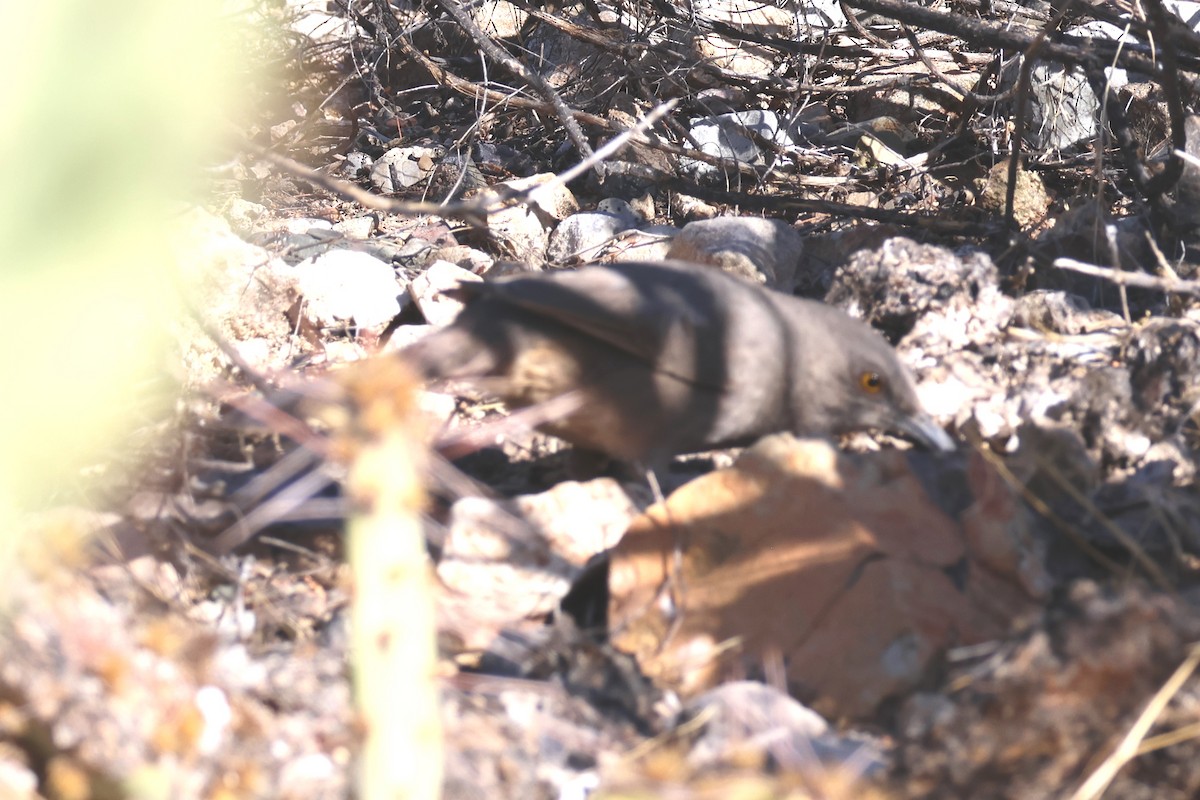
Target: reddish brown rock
[(840, 566)]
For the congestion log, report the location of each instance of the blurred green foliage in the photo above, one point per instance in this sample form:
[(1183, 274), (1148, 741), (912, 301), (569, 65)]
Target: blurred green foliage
[(110, 109)]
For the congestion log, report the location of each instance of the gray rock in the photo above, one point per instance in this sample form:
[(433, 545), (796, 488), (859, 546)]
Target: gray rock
[(357, 163), (1060, 312), (582, 237), (1063, 109), (748, 716), (761, 250)]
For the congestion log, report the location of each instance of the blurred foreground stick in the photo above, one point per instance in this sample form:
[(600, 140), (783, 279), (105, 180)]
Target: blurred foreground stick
[(393, 635)]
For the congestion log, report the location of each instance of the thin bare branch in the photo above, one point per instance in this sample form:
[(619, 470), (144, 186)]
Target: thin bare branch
[(1138, 280)]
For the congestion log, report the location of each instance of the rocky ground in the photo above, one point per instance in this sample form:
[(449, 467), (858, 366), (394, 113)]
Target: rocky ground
[(804, 618)]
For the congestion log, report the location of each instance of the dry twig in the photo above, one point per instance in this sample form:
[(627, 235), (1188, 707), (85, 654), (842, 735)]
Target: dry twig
[(1138, 280), (1128, 749)]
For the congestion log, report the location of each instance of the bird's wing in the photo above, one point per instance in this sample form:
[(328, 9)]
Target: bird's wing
[(671, 326)]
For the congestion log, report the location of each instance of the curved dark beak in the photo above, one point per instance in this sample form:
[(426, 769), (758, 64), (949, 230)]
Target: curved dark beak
[(921, 428)]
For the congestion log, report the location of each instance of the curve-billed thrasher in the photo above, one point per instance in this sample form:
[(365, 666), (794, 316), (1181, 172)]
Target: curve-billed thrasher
[(672, 357)]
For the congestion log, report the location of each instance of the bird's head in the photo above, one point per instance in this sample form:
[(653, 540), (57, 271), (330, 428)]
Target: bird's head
[(860, 385)]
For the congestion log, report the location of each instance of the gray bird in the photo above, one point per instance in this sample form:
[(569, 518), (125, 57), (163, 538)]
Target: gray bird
[(668, 358)]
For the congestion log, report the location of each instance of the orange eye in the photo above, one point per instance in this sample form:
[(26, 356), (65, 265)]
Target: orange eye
[(871, 382)]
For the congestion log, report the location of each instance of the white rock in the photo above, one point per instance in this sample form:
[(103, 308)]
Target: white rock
[(280, 131), (620, 209), (466, 257), (321, 27), (721, 136), (1063, 109), (404, 335), (356, 227), (297, 225), (256, 352), (343, 351), (500, 18), (1187, 11), (347, 285), (743, 57), (17, 781), (241, 289), (651, 243), (301, 775), (437, 407), (818, 16), (518, 557), (409, 166), (428, 289), (943, 399), (242, 214), (524, 228), (216, 714)]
